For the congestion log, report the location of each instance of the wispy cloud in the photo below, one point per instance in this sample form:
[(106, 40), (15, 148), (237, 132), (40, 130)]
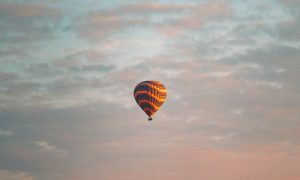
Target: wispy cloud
[(99, 24), (169, 19), (27, 22), (45, 147), (15, 175), (6, 133)]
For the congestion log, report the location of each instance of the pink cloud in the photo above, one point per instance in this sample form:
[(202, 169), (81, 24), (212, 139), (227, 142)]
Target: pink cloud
[(213, 9), (190, 17), (156, 7), (27, 22), (98, 24), (169, 30), (198, 16), (29, 10)]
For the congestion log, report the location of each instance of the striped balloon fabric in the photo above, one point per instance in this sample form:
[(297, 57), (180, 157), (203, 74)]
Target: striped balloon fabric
[(150, 95)]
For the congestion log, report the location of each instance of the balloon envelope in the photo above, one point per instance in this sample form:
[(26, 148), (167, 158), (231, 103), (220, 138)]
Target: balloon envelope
[(150, 95)]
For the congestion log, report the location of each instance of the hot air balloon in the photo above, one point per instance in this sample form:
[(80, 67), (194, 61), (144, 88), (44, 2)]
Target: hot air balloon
[(150, 95)]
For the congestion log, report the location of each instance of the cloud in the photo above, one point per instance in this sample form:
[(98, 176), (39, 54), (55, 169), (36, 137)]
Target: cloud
[(26, 23), (45, 147), (15, 175), (15, 10), (14, 53), (84, 61), (167, 18), (99, 24), (8, 77), (233, 94), (6, 133), (288, 30), (194, 19), (223, 137), (154, 7), (76, 72)]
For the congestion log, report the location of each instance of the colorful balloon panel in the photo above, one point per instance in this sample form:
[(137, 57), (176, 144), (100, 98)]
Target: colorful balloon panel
[(150, 95)]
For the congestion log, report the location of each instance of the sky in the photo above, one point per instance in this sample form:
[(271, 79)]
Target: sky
[(68, 69)]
